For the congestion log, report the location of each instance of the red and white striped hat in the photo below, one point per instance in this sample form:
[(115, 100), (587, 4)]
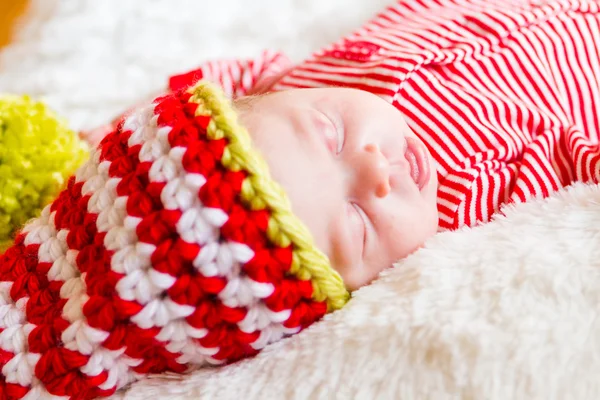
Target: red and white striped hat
[(171, 247)]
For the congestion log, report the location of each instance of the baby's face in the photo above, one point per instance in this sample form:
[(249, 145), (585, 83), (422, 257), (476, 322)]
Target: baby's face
[(355, 174)]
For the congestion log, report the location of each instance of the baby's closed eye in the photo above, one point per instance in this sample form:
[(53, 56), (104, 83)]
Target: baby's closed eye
[(338, 131)]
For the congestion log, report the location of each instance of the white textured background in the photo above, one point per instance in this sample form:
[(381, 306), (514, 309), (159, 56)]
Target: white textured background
[(91, 59), (509, 310)]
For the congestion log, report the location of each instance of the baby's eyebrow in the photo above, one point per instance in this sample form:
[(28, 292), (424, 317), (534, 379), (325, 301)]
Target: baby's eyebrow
[(246, 103)]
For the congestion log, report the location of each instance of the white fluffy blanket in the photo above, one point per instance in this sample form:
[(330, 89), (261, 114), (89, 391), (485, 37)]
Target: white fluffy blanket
[(508, 310), (504, 311)]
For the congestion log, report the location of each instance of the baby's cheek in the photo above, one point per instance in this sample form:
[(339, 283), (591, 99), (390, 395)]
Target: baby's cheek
[(341, 259)]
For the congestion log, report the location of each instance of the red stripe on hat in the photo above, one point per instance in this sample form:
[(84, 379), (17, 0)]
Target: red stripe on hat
[(202, 156), (11, 264), (222, 190), (105, 309), (58, 367)]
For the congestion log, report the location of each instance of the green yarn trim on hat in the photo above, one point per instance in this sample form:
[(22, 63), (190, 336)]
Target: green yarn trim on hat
[(38, 152)]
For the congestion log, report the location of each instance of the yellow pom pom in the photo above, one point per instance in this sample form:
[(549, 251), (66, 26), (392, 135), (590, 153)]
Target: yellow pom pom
[(38, 152)]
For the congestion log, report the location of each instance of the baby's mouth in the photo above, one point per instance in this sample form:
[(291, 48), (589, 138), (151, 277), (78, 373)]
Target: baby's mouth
[(418, 161)]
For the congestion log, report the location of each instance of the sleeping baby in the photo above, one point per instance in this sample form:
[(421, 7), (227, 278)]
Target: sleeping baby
[(247, 202)]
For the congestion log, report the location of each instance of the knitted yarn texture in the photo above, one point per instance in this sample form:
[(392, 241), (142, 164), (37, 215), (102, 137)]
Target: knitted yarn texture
[(171, 247), (38, 152)]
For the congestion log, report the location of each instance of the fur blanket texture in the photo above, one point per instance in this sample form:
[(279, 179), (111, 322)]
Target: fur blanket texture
[(508, 310)]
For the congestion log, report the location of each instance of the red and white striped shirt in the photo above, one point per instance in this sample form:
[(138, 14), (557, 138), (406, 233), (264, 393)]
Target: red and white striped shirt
[(505, 94)]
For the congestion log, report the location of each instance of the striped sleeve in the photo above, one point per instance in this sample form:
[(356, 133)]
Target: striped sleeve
[(235, 77)]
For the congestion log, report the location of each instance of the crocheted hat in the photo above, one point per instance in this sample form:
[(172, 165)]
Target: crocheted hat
[(171, 247)]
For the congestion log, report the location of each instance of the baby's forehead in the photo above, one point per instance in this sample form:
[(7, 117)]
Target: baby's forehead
[(343, 99)]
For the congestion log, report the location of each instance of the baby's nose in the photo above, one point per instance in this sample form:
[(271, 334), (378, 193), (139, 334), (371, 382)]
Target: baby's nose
[(377, 175)]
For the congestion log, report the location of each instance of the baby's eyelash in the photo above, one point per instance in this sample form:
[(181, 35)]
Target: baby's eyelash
[(339, 130), (363, 218), (341, 138)]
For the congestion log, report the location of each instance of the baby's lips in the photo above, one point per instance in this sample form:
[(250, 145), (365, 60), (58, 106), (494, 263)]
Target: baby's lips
[(418, 159)]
